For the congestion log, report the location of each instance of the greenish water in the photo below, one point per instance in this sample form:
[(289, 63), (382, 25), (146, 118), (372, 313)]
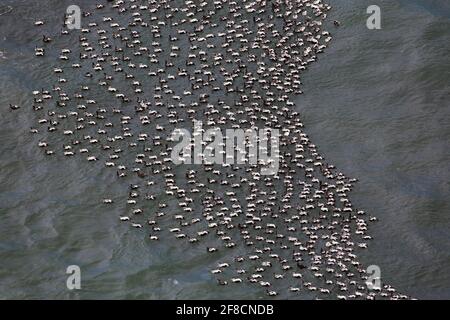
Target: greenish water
[(376, 103)]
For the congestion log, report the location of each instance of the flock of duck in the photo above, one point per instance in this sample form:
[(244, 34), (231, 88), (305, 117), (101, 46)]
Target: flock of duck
[(145, 68)]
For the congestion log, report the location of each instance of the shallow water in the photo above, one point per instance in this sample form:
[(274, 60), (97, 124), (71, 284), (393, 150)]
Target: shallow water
[(376, 104)]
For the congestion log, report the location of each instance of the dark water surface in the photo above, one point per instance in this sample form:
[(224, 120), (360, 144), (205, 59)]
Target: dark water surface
[(376, 104)]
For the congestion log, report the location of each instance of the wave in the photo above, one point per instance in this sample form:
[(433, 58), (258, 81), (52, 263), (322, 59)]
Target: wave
[(436, 7), (5, 10)]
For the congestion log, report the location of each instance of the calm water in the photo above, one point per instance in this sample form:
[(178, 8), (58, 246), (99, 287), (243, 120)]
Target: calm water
[(376, 104)]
